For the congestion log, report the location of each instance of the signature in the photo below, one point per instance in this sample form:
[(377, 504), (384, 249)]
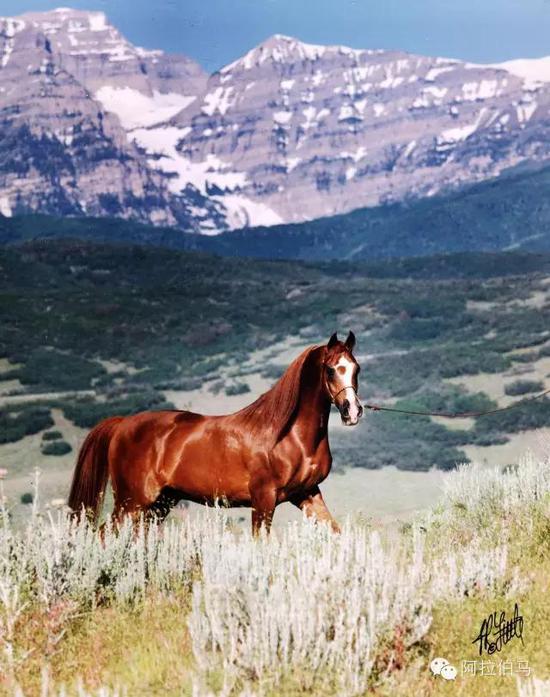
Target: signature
[(497, 632)]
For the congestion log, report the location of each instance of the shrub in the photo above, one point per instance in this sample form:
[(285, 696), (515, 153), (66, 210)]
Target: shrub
[(187, 384), (272, 371), (236, 389), (523, 418), (87, 412), (56, 448), (52, 435), (419, 329), (23, 420), (528, 357), (60, 371), (27, 498), (520, 387)]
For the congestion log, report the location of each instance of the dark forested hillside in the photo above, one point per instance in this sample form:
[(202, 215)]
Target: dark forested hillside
[(166, 320), (511, 212)]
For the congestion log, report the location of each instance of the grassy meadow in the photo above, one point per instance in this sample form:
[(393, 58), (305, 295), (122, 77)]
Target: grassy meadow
[(199, 607)]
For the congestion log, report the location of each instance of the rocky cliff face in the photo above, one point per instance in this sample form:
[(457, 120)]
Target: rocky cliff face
[(62, 150), (96, 54), (94, 125)]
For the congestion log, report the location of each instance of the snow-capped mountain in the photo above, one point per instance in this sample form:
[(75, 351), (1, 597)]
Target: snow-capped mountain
[(289, 132), (310, 131)]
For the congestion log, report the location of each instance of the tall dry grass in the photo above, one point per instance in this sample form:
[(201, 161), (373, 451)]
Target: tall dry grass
[(303, 606)]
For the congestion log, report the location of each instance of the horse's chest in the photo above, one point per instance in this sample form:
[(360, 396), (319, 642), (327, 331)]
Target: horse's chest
[(311, 471), (297, 470)]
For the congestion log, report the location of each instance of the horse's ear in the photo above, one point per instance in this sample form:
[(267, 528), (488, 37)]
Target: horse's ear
[(333, 340), (350, 341)]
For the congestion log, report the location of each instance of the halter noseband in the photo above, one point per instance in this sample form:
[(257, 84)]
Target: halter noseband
[(333, 397)]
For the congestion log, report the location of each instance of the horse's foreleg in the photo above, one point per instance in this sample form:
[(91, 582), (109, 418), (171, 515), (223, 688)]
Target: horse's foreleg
[(263, 507), (314, 506)]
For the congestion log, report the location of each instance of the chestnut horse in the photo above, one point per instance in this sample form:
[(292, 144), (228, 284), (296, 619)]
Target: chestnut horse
[(274, 450)]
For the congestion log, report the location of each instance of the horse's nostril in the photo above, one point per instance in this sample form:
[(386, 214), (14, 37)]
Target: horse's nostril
[(345, 405), (360, 412)]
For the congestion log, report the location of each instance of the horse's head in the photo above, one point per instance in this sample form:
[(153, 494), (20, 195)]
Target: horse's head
[(340, 370)]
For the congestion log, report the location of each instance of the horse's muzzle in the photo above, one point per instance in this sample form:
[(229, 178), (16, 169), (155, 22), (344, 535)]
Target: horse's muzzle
[(351, 414)]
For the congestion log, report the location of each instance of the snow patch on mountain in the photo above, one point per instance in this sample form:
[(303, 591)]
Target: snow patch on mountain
[(243, 212), (391, 82), (313, 117), (437, 92), (453, 135), (218, 101), (433, 73), (292, 163), (282, 117), (409, 149), (9, 28), (5, 207), (531, 69), (525, 111), (356, 156), (484, 89), (135, 109), (98, 21), (161, 145)]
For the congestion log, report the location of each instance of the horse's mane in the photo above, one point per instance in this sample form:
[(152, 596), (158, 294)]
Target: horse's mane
[(272, 411)]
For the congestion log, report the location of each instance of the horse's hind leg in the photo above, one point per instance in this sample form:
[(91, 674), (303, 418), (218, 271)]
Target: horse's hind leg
[(134, 512), (134, 503)]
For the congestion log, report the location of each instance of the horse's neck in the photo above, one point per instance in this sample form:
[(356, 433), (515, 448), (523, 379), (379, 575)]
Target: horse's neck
[(311, 421)]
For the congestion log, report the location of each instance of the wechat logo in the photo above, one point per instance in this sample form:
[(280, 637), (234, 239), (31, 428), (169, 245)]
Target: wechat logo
[(441, 666)]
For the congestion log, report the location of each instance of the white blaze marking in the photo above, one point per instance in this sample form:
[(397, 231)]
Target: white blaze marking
[(346, 380)]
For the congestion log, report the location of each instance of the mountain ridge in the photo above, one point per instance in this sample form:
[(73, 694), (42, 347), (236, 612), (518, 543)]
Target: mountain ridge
[(289, 132)]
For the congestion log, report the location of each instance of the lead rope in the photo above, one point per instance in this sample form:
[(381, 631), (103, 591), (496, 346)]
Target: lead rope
[(458, 415)]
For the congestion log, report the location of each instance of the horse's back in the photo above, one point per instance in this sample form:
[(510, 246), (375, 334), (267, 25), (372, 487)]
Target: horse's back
[(141, 435), (167, 418)]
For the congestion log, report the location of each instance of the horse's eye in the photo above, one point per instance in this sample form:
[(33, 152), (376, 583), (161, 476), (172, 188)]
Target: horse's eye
[(330, 371)]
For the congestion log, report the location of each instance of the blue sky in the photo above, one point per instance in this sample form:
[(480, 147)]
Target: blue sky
[(215, 32)]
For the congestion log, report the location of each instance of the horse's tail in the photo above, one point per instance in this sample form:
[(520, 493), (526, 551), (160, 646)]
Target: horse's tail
[(92, 469)]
